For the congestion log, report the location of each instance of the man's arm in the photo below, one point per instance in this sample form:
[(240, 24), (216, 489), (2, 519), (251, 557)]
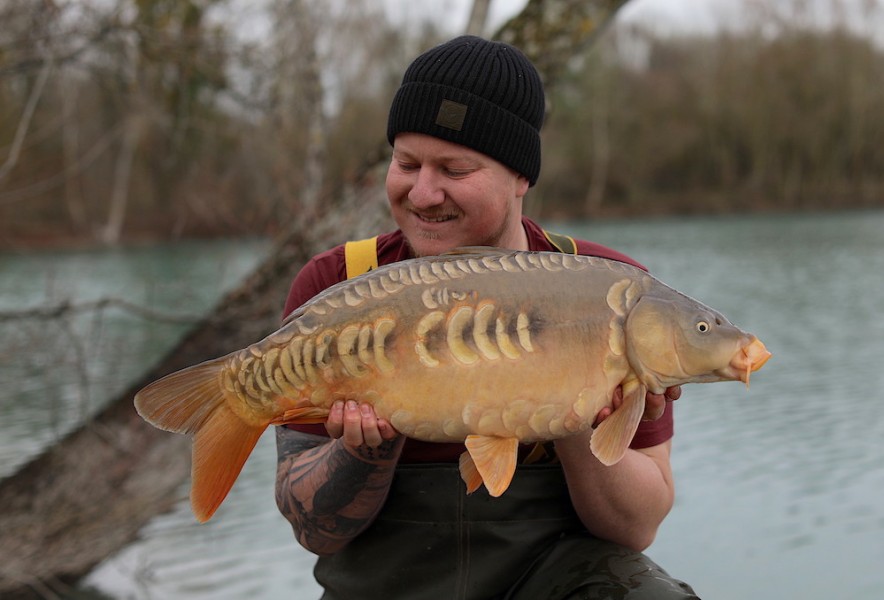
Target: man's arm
[(626, 502), (331, 489)]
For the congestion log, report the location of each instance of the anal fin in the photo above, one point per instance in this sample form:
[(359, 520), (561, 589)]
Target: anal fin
[(494, 459), (469, 473), (612, 437)]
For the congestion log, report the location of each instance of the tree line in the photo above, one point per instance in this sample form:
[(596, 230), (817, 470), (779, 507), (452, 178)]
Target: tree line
[(745, 120), (169, 118)]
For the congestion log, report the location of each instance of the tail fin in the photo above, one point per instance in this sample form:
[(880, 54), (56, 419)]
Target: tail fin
[(193, 401)]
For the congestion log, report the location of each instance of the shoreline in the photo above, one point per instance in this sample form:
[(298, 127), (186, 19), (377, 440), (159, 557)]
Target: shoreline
[(50, 240)]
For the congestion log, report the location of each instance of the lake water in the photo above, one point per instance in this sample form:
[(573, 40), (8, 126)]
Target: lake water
[(778, 489), (54, 372)]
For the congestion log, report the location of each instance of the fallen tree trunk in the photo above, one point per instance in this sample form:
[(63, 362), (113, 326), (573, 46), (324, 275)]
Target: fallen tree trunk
[(87, 496)]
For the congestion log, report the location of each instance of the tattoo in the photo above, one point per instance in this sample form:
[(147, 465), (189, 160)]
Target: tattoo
[(290, 442), (330, 493), (386, 451), (338, 492)]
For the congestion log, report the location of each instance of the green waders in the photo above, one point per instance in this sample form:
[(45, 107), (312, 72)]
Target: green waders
[(432, 541)]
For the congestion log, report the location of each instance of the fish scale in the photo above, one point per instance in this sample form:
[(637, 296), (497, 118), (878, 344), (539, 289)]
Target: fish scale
[(484, 346)]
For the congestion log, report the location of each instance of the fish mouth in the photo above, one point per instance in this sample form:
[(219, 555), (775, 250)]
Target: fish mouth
[(749, 359)]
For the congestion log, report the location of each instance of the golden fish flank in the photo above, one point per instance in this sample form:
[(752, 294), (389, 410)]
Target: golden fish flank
[(259, 377), (482, 346)]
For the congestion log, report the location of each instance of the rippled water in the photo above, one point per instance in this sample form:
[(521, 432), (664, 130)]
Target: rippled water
[(779, 488), (57, 371)]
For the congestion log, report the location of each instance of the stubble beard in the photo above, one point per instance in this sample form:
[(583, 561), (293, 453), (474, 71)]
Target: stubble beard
[(493, 239)]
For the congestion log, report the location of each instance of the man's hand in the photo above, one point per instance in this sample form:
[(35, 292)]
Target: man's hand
[(358, 425), (655, 404)]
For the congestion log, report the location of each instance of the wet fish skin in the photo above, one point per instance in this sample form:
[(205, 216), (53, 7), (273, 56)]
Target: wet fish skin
[(484, 346)]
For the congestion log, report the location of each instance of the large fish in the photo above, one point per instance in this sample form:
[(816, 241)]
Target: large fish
[(484, 346)]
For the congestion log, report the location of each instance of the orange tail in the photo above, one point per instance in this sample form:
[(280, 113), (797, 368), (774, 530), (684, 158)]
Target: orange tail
[(193, 401)]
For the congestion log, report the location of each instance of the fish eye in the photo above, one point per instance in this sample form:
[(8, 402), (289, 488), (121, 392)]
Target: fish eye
[(703, 327)]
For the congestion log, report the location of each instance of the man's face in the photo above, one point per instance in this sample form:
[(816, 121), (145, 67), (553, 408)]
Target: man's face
[(444, 195)]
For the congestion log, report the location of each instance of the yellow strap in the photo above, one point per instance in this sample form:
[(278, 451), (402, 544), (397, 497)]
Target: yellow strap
[(361, 256), (562, 243), (545, 452)]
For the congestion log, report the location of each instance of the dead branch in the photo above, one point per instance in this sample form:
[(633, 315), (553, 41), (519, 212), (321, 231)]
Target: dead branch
[(67, 308), (50, 530), (25, 122), (83, 162)]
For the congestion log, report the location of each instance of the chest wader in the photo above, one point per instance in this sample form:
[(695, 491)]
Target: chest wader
[(432, 541)]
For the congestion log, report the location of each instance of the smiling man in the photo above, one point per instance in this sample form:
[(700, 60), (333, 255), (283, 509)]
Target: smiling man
[(389, 516), (443, 196)]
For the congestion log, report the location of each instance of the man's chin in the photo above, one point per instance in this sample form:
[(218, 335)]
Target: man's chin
[(428, 244)]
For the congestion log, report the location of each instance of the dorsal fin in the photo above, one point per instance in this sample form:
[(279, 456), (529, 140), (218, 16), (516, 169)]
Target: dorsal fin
[(477, 250)]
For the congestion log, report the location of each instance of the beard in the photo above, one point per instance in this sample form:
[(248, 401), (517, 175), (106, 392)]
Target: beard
[(492, 238)]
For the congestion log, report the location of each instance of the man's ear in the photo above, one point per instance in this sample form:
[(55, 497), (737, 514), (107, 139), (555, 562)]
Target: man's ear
[(522, 186)]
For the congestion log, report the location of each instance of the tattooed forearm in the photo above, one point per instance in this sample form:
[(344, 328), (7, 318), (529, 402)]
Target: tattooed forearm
[(289, 443), (352, 475), (328, 491)]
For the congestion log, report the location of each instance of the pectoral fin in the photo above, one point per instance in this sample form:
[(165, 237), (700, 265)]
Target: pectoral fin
[(494, 461), (611, 439)]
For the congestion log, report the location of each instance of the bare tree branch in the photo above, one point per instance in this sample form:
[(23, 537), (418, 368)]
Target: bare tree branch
[(552, 32), (66, 308), (46, 530), (25, 122), (58, 179), (119, 200), (478, 17)]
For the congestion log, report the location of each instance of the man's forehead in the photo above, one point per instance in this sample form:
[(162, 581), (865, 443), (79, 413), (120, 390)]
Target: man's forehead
[(419, 145)]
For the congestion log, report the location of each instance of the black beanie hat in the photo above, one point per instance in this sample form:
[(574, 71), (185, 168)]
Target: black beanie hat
[(480, 94)]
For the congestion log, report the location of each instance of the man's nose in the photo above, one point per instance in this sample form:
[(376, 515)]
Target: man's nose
[(427, 190)]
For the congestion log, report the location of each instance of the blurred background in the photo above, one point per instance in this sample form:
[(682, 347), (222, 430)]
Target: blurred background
[(161, 118), (157, 154)]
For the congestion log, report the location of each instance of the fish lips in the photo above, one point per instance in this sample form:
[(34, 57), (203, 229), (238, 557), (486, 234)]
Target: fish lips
[(748, 359)]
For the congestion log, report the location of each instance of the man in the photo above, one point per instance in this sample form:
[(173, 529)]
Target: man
[(389, 517)]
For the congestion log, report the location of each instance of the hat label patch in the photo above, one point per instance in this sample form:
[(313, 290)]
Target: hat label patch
[(451, 115)]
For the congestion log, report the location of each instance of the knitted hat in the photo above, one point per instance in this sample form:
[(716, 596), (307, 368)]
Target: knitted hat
[(480, 94)]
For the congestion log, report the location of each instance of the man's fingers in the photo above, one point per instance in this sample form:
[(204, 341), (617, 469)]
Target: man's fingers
[(352, 424), (370, 433), (673, 393), (335, 422), (358, 425), (655, 404), (617, 398), (601, 416), (388, 432)]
